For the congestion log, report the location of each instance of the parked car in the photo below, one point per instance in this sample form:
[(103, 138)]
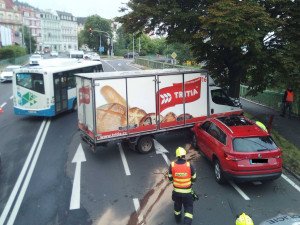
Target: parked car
[(7, 73), (238, 149), (35, 59), (54, 53), (130, 54)]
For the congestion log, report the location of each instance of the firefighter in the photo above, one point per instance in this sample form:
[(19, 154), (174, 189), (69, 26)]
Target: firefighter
[(244, 219), (287, 101), (183, 175)]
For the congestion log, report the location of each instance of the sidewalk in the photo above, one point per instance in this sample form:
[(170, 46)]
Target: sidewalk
[(287, 128)]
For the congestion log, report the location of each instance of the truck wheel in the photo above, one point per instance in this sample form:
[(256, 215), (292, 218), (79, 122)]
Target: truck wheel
[(145, 144), (219, 175)]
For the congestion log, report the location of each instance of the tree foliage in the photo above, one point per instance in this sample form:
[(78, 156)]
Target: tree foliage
[(237, 39), (92, 39), (29, 40)]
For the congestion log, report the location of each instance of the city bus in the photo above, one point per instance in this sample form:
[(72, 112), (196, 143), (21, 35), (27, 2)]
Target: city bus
[(50, 88)]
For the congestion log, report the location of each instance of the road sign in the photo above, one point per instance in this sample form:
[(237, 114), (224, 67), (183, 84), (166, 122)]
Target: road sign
[(174, 55), (101, 49)]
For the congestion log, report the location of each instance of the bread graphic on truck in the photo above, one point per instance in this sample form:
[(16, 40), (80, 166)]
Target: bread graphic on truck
[(113, 115)]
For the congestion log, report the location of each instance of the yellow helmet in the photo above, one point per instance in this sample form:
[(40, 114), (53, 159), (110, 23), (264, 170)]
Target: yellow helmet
[(180, 152), (244, 219)]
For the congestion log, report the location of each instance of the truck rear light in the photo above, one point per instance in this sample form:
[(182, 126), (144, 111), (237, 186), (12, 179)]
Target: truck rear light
[(232, 157)]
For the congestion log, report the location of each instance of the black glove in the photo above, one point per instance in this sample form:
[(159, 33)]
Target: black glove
[(195, 196)]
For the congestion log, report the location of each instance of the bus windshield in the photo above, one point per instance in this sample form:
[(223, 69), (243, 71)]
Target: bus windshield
[(32, 81)]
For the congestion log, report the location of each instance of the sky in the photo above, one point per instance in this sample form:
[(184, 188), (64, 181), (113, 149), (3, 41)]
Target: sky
[(107, 9)]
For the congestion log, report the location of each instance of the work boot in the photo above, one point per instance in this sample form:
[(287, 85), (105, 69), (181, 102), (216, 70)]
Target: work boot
[(178, 218)]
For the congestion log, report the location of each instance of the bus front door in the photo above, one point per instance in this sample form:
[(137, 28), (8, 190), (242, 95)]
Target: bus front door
[(60, 93)]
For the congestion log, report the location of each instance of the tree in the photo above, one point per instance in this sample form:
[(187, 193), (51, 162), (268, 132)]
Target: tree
[(229, 35), (92, 37), (30, 42)]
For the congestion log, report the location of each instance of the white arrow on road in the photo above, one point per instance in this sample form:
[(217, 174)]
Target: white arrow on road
[(78, 159), (161, 150)]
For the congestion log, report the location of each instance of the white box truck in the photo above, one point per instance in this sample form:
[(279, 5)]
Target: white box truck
[(135, 105)]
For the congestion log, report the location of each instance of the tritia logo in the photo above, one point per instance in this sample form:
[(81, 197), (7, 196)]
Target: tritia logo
[(84, 95), (174, 95)]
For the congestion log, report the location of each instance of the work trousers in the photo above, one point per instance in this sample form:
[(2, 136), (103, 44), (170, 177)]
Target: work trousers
[(285, 106), (185, 200)]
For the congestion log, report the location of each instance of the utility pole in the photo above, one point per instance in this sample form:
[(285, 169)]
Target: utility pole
[(133, 46)]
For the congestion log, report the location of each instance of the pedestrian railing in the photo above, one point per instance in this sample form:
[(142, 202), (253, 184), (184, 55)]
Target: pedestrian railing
[(270, 98), (14, 61)]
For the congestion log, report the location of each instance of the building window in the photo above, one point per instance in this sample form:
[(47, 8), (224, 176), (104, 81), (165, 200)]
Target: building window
[(26, 14), (9, 17), (1, 15), (16, 18)]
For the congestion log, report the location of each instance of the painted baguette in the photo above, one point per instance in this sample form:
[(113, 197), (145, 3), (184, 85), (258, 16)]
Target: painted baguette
[(112, 96)]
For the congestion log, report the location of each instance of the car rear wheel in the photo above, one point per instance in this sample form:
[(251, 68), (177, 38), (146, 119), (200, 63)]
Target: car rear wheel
[(219, 174)]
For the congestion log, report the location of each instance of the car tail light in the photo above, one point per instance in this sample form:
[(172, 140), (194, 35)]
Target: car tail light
[(232, 157)]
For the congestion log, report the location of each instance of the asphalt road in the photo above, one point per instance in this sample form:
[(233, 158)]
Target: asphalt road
[(118, 186)]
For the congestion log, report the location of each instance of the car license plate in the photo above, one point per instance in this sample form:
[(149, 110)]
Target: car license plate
[(256, 161)]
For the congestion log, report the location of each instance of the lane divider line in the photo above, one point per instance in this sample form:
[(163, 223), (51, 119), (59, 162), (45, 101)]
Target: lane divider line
[(21, 176), (291, 182), (28, 177), (11, 97), (125, 164), (3, 104), (239, 190)]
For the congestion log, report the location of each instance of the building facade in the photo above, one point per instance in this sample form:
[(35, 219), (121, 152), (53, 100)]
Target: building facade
[(51, 31), (11, 18), (69, 35), (32, 19)]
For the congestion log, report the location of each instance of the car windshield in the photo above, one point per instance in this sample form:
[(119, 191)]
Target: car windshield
[(253, 144), (9, 69), (36, 56)]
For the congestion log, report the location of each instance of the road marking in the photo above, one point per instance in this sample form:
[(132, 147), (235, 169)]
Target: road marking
[(125, 164), (79, 157), (161, 150), (11, 97), (15, 190), (28, 177), (136, 204), (110, 65), (239, 190), (291, 182), (3, 104)]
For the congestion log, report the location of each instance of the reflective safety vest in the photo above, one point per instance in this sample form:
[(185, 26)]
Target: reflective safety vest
[(181, 177), (289, 96)]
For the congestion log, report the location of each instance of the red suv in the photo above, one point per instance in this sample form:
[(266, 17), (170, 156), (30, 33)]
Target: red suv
[(238, 148)]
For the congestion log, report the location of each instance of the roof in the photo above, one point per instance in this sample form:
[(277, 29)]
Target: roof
[(106, 75), (56, 65), (239, 126), (9, 4)]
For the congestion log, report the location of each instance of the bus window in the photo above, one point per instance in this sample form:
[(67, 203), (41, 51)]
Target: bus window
[(34, 82)]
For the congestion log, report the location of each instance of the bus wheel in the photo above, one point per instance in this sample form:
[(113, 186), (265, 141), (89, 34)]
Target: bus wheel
[(75, 106), (145, 144)]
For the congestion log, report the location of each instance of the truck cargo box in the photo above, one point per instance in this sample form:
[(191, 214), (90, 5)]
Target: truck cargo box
[(125, 104)]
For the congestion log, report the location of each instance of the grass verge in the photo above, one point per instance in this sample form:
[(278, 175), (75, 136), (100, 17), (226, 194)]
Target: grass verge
[(290, 153)]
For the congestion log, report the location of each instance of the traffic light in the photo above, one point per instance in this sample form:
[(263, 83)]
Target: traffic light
[(91, 30)]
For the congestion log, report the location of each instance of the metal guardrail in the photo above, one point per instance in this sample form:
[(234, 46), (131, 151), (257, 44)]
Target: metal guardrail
[(14, 61), (271, 99)]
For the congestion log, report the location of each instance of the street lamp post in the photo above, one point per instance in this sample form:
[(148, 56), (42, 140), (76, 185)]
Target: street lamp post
[(100, 31)]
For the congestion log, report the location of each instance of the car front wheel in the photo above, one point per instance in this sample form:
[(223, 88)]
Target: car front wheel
[(219, 174), (194, 142)]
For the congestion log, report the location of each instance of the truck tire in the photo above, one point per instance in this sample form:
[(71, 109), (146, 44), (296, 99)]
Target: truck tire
[(145, 144)]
